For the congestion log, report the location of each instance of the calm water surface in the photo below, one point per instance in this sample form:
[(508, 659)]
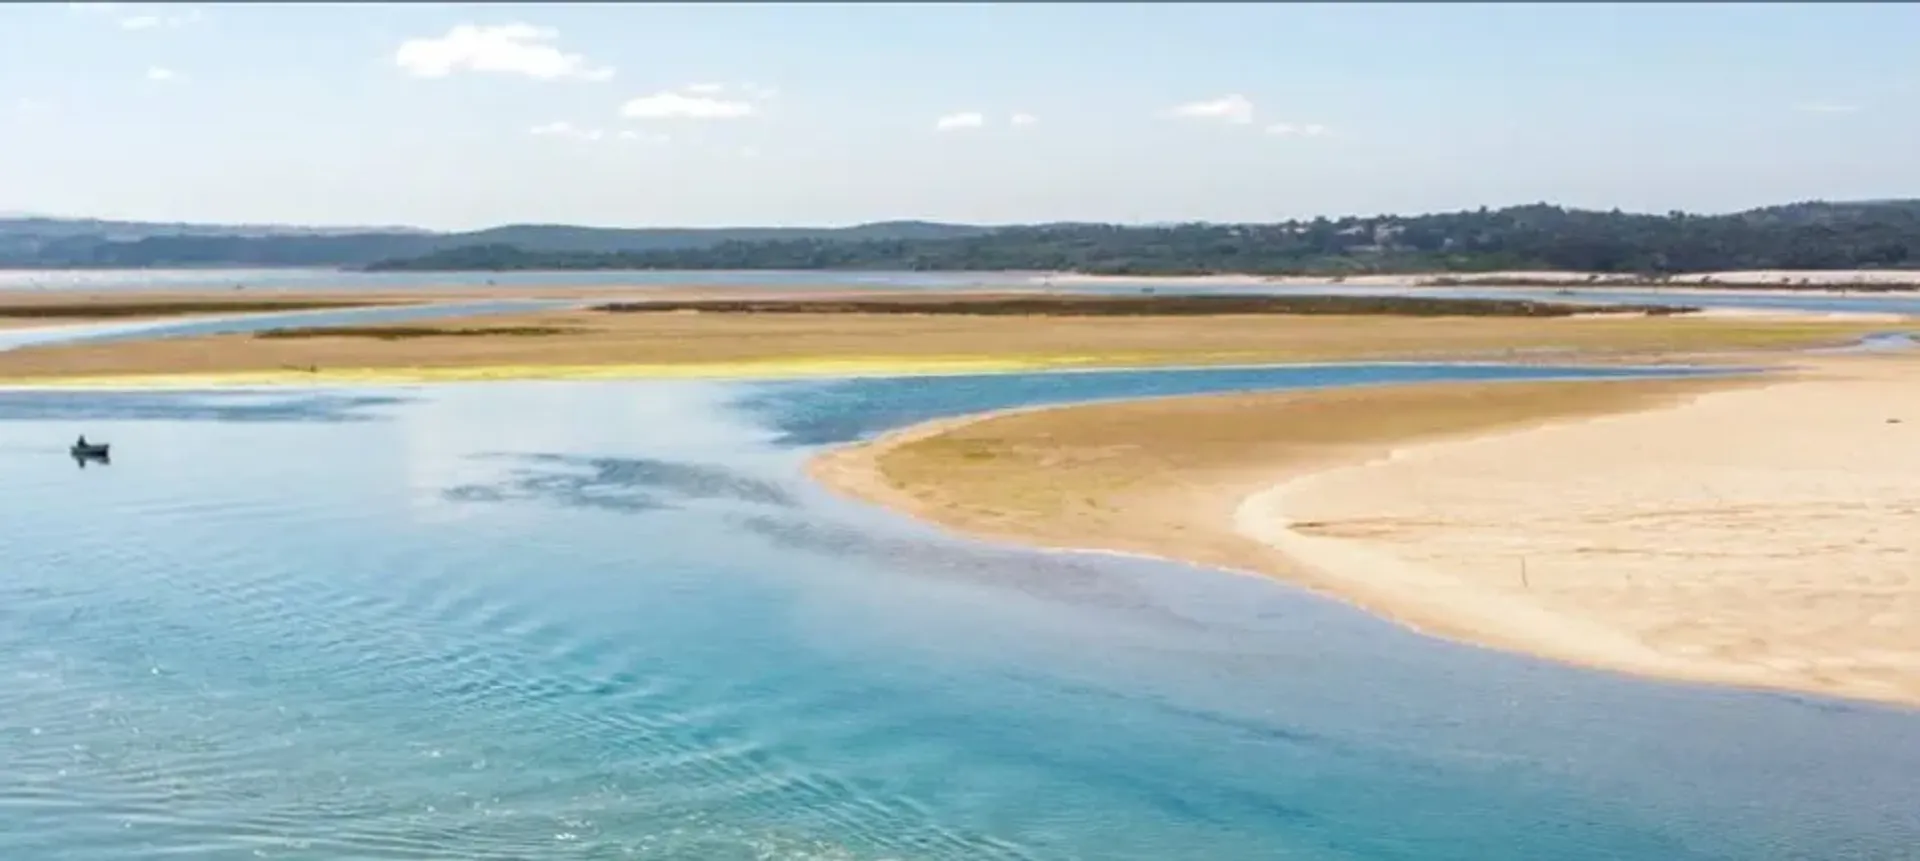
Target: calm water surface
[(608, 620), (230, 324), (337, 280)]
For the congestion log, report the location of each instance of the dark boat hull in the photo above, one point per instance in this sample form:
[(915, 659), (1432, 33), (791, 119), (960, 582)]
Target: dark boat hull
[(90, 451)]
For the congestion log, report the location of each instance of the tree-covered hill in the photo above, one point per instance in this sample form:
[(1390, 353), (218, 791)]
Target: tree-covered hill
[(30, 243), (1817, 235), (1871, 235)]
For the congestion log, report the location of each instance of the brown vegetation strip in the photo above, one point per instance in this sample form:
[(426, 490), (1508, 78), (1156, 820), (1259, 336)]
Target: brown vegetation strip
[(398, 333), (1149, 306)]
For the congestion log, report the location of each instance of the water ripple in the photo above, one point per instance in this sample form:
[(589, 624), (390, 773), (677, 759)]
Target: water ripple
[(265, 644), (618, 484), (34, 406)]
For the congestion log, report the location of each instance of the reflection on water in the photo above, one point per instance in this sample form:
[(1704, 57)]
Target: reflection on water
[(1879, 342), (600, 620), (283, 405), (237, 324), (1081, 582), (618, 484)]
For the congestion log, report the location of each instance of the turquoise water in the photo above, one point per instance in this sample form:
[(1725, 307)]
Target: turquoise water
[(611, 620)]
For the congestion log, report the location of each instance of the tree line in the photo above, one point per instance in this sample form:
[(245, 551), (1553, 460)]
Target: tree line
[(1860, 235), (1875, 235)]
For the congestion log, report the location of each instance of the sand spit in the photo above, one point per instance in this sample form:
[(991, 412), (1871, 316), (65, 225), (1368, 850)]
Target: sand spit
[(1760, 532)]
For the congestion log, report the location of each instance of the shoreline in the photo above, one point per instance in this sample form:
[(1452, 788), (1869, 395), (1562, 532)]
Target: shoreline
[(1439, 610), (1808, 282), (1252, 525), (781, 369), (1818, 282)]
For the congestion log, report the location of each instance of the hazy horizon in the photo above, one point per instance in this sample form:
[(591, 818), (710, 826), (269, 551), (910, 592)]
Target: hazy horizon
[(463, 117), (372, 228)]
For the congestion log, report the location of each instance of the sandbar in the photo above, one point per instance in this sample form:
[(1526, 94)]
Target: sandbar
[(583, 342), (1756, 531)]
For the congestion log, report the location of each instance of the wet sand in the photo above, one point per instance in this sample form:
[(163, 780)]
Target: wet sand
[(1760, 532)]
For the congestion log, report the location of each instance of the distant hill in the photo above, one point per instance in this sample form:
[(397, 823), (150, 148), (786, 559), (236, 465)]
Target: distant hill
[(48, 227), (52, 243), (1880, 234), (1814, 235), (565, 238)]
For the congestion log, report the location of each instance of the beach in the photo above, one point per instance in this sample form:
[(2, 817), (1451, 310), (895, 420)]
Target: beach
[(1755, 531)]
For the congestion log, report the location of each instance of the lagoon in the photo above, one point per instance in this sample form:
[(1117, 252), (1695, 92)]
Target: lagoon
[(567, 620), (280, 279)]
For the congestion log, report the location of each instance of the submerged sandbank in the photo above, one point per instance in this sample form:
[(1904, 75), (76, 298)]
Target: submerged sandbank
[(1748, 531)]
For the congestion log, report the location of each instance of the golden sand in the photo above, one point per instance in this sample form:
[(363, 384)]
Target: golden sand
[(1755, 532), (593, 343)]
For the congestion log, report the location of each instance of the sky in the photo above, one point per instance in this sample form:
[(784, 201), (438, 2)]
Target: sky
[(685, 114)]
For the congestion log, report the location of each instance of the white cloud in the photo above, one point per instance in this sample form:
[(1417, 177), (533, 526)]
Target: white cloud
[(140, 16), (750, 92), (514, 49), (1232, 108), (1826, 108), (151, 21), (688, 104), (1305, 130), (963, 120), (748, 152), (162, 74), (564, 129), (1023, 119), (569, 131)]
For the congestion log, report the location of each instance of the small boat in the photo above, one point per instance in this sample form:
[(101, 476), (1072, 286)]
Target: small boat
[(90, 451)]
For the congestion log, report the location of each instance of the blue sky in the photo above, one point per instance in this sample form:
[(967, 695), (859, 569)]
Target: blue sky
[(455, 116)]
